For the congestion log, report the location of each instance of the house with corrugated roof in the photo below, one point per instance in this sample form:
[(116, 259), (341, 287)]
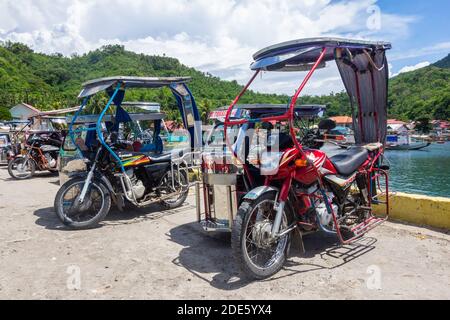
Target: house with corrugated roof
[(343, 121), (24, 111)]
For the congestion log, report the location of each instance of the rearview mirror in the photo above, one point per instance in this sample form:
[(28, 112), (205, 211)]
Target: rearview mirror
[(327, 124)]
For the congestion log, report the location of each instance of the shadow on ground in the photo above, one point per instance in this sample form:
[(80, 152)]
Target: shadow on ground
[(205, 253), (37, 175), (46, 217)]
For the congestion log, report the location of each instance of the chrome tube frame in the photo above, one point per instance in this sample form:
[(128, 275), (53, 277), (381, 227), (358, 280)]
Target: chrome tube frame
[(278, 218), (87, 183), (181, 165)]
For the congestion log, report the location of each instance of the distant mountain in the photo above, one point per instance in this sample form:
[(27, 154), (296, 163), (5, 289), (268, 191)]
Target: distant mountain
[(422, 93), (444, 63)]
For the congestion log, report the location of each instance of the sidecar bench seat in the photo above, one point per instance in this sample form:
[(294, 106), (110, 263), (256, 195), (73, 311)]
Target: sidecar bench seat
[(373, 146), (348, 162)]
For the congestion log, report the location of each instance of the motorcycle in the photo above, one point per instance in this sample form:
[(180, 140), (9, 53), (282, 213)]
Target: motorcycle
[(86, 199), (118, 170), (39, 153), (303, 189)]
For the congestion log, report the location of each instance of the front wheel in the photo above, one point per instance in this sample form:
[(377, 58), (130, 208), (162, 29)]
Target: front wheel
[(21, 168), (87, 214), (258, 254)]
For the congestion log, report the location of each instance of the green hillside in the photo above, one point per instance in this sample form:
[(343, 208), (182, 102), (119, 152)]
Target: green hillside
[(53, 81), (421, 93), (444, 63)]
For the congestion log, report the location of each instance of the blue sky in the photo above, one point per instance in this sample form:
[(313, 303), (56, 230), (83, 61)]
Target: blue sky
[(220, 36), (430, 28)]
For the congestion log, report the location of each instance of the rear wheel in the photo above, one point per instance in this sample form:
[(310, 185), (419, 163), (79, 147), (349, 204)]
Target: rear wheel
[(88, 214), (257, 253), (21, 168)]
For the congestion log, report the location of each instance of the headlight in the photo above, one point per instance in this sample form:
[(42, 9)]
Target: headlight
[(270, 163)]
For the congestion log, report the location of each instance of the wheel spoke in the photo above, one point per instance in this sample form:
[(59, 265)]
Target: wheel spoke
[(263, 255), (94, 196)]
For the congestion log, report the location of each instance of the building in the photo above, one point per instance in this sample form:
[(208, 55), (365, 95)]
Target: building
[(343, 121), (440, 127), (397, 126), (23, 111)]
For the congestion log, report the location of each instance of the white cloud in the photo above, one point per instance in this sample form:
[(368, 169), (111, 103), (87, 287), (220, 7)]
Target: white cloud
[(420, 65), (214, 36), (439, 48)]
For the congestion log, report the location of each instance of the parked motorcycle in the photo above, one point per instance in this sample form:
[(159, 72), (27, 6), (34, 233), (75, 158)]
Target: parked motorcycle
[(86, 199), (39, 153)]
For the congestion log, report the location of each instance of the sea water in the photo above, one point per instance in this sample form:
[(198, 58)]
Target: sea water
[(425, 171)]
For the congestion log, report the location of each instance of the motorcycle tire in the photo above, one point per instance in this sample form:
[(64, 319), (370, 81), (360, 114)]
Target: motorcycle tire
[(239, 240), (167, 204), (99, 215), (21, 161)]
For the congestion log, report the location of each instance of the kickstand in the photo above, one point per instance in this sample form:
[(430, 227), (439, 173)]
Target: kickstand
[(301, 244)]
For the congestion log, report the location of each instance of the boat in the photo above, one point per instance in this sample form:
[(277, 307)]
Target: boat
[(405, 142)]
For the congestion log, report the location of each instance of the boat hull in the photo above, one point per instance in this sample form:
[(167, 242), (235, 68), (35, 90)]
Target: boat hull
[(413, 146)]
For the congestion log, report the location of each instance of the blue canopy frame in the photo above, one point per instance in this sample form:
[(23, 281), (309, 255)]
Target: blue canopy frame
[(115, 87)]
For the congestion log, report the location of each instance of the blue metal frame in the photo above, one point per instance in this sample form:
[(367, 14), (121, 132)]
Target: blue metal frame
[(99, 126), (181, 106), (71, 131), (179, 96)]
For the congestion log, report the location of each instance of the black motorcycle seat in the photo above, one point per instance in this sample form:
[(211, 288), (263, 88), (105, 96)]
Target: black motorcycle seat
[(160, 157), (49, 148), (348, 162)]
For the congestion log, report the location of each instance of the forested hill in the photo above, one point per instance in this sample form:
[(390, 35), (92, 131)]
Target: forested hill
[(53, 81), (423, 93), (444, 63)]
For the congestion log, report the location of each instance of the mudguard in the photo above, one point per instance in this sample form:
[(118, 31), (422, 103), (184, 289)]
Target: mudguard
[(117, 198), (259, 191)]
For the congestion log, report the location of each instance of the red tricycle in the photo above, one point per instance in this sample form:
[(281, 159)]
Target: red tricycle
[(298, 187)]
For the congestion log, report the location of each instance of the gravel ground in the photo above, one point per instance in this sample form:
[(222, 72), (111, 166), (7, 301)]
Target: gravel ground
[(149, 254)]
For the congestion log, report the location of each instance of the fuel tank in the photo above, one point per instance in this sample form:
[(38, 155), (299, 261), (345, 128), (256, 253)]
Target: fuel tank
[(322, 166)]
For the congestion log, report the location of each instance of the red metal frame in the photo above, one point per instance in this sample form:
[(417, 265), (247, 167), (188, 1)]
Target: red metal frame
[(41, 162), (367, 168)]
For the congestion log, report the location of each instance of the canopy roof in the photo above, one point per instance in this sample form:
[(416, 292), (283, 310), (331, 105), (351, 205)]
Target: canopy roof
[(258, 110), (54, 113), (93, 118), (280, 107), (264, 110), (147, 106), (300, 55), (94, 86)]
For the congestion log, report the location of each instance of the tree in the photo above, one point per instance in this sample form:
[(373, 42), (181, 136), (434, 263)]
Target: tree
[(423, 125), (5, 114), (205, 108)]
